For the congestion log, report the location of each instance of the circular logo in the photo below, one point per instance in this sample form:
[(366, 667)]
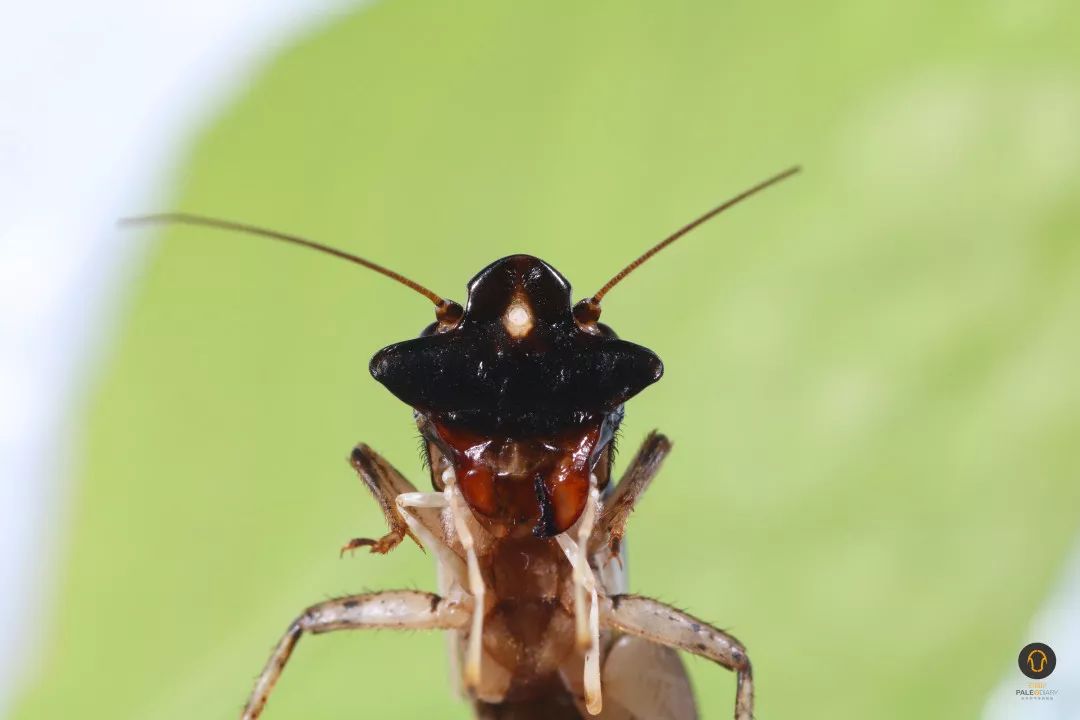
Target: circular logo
[(1037, 661)]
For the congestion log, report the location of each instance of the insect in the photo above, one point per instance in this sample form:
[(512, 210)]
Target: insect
[(517, 397)]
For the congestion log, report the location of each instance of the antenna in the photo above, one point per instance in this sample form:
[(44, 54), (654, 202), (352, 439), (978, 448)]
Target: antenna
[(588, 310), (442, 305)]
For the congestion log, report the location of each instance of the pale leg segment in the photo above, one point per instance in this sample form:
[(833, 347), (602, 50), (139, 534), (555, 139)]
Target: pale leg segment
[(458, 512), (397, 609), (587, 623), (664, 625), (406, 502)]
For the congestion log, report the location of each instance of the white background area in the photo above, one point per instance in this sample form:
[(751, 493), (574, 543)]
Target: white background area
[(97, 102)]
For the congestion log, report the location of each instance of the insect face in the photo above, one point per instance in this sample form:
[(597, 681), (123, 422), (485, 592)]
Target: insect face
[(520, 397)]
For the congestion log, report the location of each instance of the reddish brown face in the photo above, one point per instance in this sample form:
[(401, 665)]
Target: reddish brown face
[(523, 486)]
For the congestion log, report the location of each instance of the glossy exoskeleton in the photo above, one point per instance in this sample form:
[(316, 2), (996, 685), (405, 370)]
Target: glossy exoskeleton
[(518, 397)]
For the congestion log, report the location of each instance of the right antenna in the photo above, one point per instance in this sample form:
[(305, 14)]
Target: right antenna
[(588, 310)]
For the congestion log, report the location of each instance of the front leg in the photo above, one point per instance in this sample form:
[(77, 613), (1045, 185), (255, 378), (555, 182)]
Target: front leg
[(394, 609), (664, 625), (611, 525), (385, 484)]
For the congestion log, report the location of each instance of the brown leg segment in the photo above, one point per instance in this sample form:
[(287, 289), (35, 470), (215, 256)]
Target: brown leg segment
[(385, 483), (394, 609), (664, 625), (611, 524)]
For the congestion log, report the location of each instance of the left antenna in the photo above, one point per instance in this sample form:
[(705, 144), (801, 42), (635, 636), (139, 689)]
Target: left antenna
[(219, 224)]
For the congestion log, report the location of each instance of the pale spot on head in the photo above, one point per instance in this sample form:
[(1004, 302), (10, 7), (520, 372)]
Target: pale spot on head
[(518, 319), (518, 316)]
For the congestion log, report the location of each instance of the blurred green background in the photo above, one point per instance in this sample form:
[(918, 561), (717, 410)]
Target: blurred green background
[(870, 370)]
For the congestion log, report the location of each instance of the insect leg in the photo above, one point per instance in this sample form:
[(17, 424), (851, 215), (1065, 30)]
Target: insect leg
[(611, 524), (394, 609), (431, 534), (587, 622), (385, 483), (458, 512), (664, 625)]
